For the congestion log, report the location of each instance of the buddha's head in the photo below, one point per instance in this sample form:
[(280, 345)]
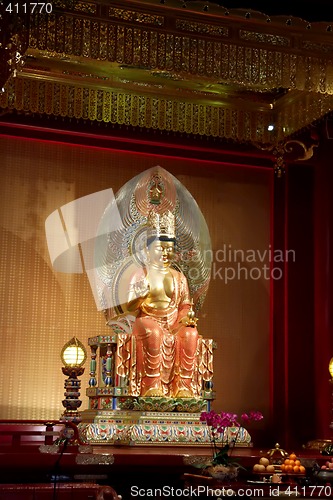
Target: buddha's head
[(160, 252), (161, 238)]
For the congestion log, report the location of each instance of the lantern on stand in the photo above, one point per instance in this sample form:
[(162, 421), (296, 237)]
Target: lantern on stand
[(73, 356)]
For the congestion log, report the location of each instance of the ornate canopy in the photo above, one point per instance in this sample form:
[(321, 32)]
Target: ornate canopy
[(234, 74)]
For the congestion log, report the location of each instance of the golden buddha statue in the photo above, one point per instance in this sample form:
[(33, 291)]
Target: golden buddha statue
[(166, 336), (157, 271)]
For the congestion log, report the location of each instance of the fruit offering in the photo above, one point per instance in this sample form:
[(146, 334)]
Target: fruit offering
[(328, 465), (292, 465), (264, 466)]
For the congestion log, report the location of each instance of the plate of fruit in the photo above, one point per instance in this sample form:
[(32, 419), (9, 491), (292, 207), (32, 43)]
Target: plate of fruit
[(292, 465), (276, 472), (264, 466)]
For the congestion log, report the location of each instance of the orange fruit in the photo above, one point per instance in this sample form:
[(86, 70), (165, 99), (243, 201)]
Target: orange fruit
[(296, 469), (283, 467), (292, 456), (297, 462), (289, 468), (287, 461), (302, 469), (292, 462)]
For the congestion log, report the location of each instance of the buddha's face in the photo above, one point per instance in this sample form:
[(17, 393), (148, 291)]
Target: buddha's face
[(161, 253)]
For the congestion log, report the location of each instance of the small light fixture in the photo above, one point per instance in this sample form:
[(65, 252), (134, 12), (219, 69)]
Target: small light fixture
[(330, 369), (270, 128), (73, 356)]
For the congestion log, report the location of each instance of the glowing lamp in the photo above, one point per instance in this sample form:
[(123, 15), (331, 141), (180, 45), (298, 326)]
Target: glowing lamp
[(73, 353), (330, 368), (73, 356)]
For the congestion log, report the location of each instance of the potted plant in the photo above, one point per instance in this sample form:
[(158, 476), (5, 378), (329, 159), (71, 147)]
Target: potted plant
[(224, 432)]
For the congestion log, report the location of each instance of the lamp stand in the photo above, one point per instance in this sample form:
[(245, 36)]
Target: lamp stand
[(72, 387)]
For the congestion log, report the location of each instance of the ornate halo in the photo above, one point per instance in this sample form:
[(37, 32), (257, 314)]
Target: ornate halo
[(125, 247)]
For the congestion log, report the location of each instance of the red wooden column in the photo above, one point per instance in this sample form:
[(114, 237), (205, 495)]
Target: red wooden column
[(278, 315), (299, 332), (292, 329), (323, 222)]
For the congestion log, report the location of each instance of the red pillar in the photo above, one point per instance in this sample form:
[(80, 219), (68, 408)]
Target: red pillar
[(323, 223), (293, 386), (278, 354), (300, 331)]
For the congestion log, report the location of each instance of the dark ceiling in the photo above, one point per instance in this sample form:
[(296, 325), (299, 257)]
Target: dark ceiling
[(313, 11)]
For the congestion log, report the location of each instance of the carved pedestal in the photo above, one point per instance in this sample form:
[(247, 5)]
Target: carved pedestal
[(151, 428)]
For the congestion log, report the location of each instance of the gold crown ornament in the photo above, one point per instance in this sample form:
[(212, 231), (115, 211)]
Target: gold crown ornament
[(161, 226)]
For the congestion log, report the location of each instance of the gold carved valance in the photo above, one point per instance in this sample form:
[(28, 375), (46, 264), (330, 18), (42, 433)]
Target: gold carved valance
[(82, 102), (160, 66), (225, 51)]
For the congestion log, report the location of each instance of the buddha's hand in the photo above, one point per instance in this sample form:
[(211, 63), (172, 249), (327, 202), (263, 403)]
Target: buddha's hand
[(141, 288), (138, 293)]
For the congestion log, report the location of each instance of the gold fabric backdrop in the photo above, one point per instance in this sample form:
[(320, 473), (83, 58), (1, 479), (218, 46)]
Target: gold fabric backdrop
[(41, 309)]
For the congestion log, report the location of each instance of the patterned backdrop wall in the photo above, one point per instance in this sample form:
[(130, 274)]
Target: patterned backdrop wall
[(42, 309)]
